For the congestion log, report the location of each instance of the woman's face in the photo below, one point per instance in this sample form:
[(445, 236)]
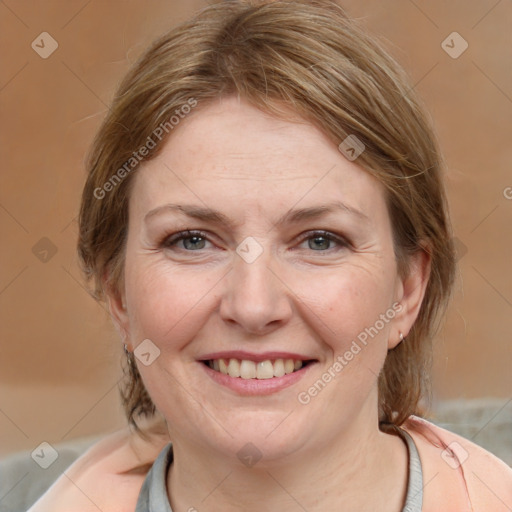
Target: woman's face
[(289, 258)]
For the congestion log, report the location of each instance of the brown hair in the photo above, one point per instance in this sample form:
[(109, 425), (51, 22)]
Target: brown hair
[(308, 56)]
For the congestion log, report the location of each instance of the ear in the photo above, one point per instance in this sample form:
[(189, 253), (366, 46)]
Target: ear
[(117, 307), (410, 291)]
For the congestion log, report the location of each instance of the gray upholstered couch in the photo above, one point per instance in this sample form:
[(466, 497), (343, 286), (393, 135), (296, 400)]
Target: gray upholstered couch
[(23, 481)]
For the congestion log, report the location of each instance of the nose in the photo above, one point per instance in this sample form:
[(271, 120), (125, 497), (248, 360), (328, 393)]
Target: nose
[(254, 297)]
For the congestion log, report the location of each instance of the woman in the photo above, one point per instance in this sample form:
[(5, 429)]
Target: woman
[(265, 216)]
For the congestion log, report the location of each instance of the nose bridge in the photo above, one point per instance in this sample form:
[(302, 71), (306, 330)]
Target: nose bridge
[(255, 277), (255, 298)]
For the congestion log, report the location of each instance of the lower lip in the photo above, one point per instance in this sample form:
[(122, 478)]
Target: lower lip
[(252, 387)]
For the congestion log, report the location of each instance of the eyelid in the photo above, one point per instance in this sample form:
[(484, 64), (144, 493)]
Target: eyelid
[(327, 234)]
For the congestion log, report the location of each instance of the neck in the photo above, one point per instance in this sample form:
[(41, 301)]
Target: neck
[(335, 476)]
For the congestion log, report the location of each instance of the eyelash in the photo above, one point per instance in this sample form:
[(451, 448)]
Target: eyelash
[(170, 241)]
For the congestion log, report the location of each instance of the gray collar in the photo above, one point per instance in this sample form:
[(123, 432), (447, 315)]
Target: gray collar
[(153, 495), (414, 498)]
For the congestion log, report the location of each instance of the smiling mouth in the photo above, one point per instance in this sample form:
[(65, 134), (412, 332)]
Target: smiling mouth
[(246, 369)]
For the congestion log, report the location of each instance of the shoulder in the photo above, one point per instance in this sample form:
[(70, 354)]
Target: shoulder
[(107, 477), (458, 469)]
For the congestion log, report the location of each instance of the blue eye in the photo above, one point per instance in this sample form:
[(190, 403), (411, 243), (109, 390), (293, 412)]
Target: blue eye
[(192, 240), (321, 241)]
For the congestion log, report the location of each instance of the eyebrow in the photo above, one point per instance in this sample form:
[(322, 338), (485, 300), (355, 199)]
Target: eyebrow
[(291, 217)]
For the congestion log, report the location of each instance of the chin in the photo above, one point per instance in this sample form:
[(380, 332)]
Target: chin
[(269, 436)]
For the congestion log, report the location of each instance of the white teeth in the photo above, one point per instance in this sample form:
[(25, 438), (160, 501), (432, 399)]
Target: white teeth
[(223, 367), (288, 366), (278, 368), (234, 368), (247, 369), (264, 370)]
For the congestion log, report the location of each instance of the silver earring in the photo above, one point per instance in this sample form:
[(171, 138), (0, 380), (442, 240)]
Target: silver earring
[(129, 358), (401, 336)]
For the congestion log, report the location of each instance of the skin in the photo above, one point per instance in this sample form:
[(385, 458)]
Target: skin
[(326, 455), (293, 297)]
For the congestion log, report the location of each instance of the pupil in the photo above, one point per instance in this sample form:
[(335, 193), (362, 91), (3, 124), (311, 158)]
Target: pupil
[(323, 242), (192, 242)]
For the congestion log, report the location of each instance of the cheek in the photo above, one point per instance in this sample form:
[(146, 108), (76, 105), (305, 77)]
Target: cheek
[(166, 303), (345, 302), (343, 309)]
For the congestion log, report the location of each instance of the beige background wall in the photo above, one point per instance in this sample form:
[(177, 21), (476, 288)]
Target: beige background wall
[(59, 357)]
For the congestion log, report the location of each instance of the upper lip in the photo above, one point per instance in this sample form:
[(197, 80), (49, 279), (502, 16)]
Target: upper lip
[(251, 356)]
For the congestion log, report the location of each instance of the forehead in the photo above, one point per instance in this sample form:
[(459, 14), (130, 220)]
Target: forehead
[(229, 150)]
